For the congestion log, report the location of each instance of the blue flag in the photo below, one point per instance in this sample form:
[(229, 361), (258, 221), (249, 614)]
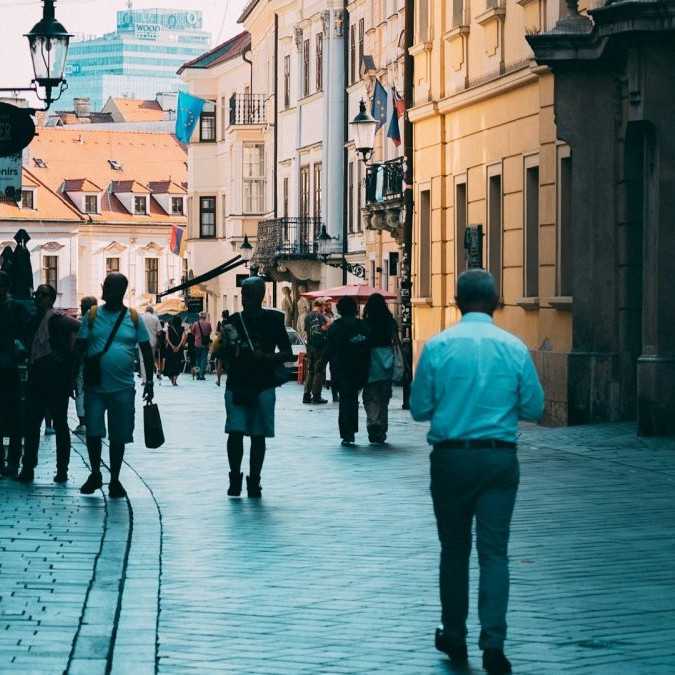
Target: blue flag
[(379, 106), (394, 131), (189, 109)]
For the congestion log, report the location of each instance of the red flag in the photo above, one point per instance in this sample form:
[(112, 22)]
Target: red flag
[(399, 103)]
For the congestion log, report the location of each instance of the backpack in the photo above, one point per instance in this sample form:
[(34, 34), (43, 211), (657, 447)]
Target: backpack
[(91, 317), (356, 353), (317, 338)]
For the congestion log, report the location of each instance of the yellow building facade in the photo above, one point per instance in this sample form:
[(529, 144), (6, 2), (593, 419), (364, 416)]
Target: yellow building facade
[(487, 153)]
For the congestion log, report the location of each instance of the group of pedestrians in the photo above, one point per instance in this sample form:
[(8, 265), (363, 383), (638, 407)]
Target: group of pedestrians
[(91, 360), (181, 345), (364, 356)]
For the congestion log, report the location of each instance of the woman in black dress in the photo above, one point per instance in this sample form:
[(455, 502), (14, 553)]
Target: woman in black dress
[(175, 342)]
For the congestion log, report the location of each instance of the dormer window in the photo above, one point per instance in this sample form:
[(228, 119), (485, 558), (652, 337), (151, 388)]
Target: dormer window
[(27, 199), (39, 163), (140, 206), (115, 165), (177, 206), (91, 204)]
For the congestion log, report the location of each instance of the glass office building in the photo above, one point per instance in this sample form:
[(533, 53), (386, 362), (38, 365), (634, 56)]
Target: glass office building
[(138, 60)]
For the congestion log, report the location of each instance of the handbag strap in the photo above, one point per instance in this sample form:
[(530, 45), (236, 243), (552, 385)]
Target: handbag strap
[(116, 327), (243, 325)]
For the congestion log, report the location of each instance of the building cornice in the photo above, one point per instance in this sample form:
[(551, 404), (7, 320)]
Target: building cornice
[(423, 112)]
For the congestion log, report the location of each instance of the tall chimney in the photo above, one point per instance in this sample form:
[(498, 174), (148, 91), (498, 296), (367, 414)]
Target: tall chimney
[(82, 107)]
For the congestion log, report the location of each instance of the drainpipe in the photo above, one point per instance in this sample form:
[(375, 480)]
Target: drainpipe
[(250, 65), (345, 151)]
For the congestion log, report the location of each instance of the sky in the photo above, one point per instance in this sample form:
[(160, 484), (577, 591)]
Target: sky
[(93, 17)]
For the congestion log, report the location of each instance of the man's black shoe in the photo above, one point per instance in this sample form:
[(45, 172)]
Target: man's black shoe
[(253, 487), (348, 443), (236, 480), (116, 490), (26, 475), (457, 653), (306, 399), (93, 483), (319, 401), (495, 663), (61, 477)]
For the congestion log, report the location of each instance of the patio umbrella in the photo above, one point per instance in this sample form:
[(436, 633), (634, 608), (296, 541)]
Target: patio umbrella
[(360, 293)]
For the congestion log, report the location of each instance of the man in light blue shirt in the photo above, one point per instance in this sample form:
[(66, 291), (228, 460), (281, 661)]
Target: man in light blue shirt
[(474, 381)]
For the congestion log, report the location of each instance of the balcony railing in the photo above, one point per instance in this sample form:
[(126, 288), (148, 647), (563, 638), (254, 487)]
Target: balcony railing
[(384, 181), (292, 238), (247, 109)]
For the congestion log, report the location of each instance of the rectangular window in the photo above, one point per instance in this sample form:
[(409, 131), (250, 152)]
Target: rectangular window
[(207, 217), (425, 245), (91, 204), (287, 81), (207, 126), (359, 195), (177, 206), (458, 12), (423, 20), (151, 275), (362, 38), (112, 265), (50, 273), (317, 194), (352, 54), (564, 224), (140, 205), (531, 239), (393, 264), (319, 62), (373, 274), (284, 197), (460, 227), (304, 192), (350, 196), (305, 69), (254, 178), (27, 199), (495, 230)]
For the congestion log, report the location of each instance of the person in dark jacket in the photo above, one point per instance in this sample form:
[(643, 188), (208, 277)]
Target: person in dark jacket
[(260, 345), (348, 348)]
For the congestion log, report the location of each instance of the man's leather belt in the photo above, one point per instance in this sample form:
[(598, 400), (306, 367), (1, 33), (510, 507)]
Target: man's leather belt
[(474, 444)]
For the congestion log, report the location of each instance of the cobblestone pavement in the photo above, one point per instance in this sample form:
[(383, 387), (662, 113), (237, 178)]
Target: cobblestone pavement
[(335, 569)]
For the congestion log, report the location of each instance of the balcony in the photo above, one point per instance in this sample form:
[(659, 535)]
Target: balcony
[(247, 109), (385, 197)]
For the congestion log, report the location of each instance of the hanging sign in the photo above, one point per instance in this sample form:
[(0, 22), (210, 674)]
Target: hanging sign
[(10, 178), (473, 246), (17, 129)]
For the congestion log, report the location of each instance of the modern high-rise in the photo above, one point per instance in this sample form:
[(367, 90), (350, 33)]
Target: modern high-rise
[(138, 60)]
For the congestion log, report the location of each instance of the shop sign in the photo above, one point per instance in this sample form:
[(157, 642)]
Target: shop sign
[(473, 246), (16, 129), (10, 177), (195, 305)]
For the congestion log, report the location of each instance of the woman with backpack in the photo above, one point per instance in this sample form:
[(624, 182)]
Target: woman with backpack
[(349, 349), (383, 333)]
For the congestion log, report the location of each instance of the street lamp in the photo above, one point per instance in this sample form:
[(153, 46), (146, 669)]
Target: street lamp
[(48, 42), (246, 249), (324, 240), (365, 127)]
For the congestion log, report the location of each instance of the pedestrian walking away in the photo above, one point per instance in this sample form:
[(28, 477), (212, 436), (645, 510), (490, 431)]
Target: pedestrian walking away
[(383, 335), (255, 353), (201, 330), (51, 381), (85, 305), (349, 349), (154, 326), (174, 350), (109, 337), (315, 329), (474, 381)]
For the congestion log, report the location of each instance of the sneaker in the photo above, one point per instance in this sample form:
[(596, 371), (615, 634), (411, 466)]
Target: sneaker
[(319, 401), (306, 399), (93, 483), (495, 662), (116, 490), (253, 487), (26, 475), (347, 443), (49, 431), (235, 484), (61, 477), (457, 653)]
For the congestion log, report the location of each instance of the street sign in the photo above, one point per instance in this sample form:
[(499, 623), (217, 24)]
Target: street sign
[(473, 246), (195, 305), (16, 129), (10, 177)]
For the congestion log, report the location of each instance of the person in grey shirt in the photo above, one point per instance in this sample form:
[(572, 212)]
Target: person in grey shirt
[(474, 381)]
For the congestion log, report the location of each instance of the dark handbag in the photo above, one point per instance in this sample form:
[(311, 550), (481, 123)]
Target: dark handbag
[(92, 364), (152, 426), (279, 372)]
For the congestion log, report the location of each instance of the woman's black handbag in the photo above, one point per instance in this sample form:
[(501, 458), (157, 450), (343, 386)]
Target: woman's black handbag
[(152, 426), (279, 372), (92, 364)]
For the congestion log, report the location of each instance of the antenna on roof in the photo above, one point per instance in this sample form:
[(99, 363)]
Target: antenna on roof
[(130, 4)]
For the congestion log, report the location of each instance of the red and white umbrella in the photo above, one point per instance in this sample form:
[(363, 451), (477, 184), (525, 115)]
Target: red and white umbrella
[(360, 293)]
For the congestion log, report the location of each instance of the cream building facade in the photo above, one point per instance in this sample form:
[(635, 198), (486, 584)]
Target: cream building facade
[(487, 153)]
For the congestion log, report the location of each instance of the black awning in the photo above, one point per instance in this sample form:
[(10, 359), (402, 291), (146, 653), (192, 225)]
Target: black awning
[(207, 276)]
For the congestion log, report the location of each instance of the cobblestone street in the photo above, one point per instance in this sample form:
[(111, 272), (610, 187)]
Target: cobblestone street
[(335, 569)]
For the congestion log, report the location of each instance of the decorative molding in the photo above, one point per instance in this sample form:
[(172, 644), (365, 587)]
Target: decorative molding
[(420, 48), (5, 244), (152, 247), (492, 14), (528, 304), (51, 246), (298, 35), (423, 112), (339, 23), (325, 21)]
